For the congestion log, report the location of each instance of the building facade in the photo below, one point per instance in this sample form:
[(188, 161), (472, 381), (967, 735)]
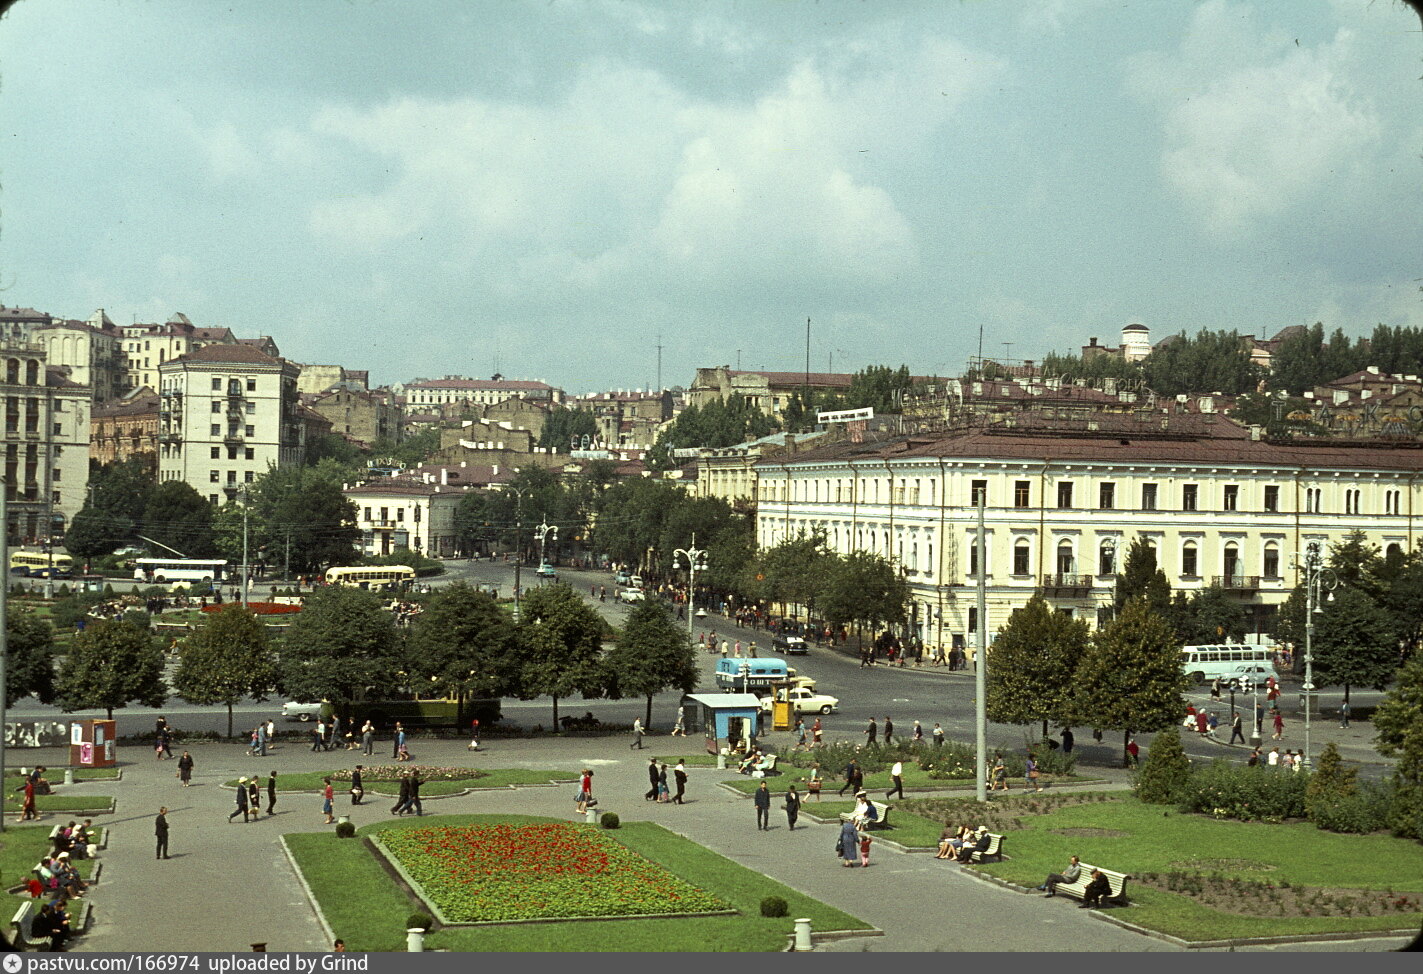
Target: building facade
[(46, 443), (126, 428), (89, 350), (227, 413), (359, 415), (146, 347), (1219, 504), (770, 392), (416, 513), (424, 395)]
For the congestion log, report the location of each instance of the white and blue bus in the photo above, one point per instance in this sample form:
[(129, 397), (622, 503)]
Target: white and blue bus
[(163, 570)]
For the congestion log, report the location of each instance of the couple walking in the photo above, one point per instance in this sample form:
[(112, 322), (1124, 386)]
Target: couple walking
[(657, 780)]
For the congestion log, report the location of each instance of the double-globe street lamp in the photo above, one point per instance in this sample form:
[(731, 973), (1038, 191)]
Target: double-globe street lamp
[(696, 561), (1318, 580)]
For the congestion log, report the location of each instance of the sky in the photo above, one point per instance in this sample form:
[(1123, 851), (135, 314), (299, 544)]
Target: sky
[(552, 189)]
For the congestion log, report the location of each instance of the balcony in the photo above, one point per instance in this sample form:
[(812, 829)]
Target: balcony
[(235, 439), (170, 436), (1067, 586), (1244, 584)]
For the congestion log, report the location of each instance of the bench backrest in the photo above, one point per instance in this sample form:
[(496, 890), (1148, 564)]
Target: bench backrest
[(1116, 881), (881, 810), (21, 921), (995, 843)]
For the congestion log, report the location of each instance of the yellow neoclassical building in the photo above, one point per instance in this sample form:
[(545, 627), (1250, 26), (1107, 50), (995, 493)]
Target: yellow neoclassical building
[(1219, 502)]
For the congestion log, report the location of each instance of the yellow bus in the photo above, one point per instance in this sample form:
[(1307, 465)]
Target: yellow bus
[(37, 564), (373, 577)]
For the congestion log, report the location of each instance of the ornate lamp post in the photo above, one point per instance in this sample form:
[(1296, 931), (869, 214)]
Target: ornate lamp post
[(1318, 580), (696, 560), (544, 529)]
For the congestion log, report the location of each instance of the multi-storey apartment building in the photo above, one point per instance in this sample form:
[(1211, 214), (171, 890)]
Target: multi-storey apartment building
[(424, 395), (89, 350), (227, 413), (126, 428), (1220, 504), (146, 347), (730, 472), (358, 414), (45, 436), (407, 512)]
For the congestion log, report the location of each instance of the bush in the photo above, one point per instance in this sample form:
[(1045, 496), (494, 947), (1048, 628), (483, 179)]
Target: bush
[(1164, 774), (421, 921), (1248, 794), (610, 820), (1330, 781), (345, 830), (1051, 760), (1360, 812), (774, 906)]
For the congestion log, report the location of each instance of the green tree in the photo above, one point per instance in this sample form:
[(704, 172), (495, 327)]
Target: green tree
[(178, 517), (653, 654), (225, 660), (118, 493), (108, 665), (1141, 577), (562, 425), (1130, 677), (1209, 361), (1398, 722), (1031, 665), (463, 645), (411, 451), (341, 647), (1354, 643), (861, 587), (791, 573), (1330, 780), (29, 657), (561, 646), (719, 423), (1403, 598), (295, 511), (1358, 564), (1164, 773), (1208, 615)]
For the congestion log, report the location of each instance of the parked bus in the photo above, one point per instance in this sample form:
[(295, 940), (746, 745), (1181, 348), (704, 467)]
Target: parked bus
[(162, 570), (373, 577), (37, 564), (1228, 662)]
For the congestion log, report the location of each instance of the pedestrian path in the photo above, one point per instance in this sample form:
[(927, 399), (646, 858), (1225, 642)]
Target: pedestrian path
[(230, 885)]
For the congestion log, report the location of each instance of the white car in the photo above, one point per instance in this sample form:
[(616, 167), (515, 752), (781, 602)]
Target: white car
[(294, 710), (631, 595), (804, 699)]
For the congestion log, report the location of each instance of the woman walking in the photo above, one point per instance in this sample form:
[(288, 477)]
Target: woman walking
[(1279, 721), (813, 782), (792, 806), (185, 769), (663, 794), (254, 796), (848, 845), (585, 792), (328, 799), (1030, 773)]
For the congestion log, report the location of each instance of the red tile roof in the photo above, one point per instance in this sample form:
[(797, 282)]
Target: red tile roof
[(236, 354)]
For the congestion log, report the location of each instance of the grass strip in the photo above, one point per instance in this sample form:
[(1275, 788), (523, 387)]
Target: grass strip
[(61, 803), (493, 778), (80, 774), (24, 845)]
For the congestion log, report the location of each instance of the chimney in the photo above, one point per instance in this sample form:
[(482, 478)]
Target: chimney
[(1256, 432), (444, 475), (1092, 342)]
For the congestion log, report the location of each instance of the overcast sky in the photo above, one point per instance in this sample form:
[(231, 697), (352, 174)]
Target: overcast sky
[(425, 188)]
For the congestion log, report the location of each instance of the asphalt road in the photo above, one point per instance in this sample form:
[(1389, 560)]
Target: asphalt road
[(928, 694)]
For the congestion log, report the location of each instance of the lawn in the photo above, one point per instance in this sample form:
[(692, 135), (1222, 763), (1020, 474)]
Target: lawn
[(367, 908), (80, 774), (479, 778), (22, 846), (915, 779), (1134, 838), (60, 803)]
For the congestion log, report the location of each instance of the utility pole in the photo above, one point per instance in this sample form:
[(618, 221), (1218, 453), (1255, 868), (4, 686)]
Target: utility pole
[(4, 623), (1317, 579), (807, 358), (659, 362), (696, 559), (518, 541), (980, 677)]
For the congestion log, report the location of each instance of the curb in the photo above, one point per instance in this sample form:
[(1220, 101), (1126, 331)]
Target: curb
[(310, 896)]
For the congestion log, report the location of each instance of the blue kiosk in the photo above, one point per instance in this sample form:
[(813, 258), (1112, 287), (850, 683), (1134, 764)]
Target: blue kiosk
[(727, 720)]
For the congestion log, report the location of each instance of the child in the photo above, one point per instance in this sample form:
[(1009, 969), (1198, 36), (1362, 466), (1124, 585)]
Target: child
[(403, 754), (864, 848)]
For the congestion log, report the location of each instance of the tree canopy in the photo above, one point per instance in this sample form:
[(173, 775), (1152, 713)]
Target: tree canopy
[(293, 512), (225, 660), (109, 665), (29, 657), (653, 653), (719, 423), (1031, 665), (178, 517), (341, 647), (463, 644), (561, 647), (113, 510)]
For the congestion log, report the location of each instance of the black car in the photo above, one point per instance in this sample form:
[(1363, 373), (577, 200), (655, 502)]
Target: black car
[(789, 646)]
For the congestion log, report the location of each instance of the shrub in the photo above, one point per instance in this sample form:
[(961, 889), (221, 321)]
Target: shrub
[(421, 921), (1360, 812), (610, 820), (774, 906), (1164, 774), (1051, 760), (1330, 781), (1248, 794), (345, 830)]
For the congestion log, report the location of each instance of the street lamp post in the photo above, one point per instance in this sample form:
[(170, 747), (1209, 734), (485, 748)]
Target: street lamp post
[(696, 559), (1317, 580), (544, 529)]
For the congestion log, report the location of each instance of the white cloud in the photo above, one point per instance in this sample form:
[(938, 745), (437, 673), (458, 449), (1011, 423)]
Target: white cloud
[(1254, 124)]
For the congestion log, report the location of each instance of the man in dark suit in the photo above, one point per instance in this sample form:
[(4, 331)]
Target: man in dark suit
[(871, 732), (651, 794), (357, 787), (271, 792), (414, 802), (160, 832), (403, 801), (888, 729), (680, 773)]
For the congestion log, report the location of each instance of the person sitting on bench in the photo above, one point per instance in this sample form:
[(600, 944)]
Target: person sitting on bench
[(1098, 888), (980, 843), (1068, 875), (749, 762)]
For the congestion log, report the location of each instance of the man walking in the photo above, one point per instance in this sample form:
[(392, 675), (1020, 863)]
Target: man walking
[(680, 773), (888, 730), (1344, 714), (762, 800), (271, 792), (636, 734), (160, 832), (357, 786), (414, 802), (368, 738), (241, 802), (651, 794), (1236, 729), (871, 732), (853, 777), (397, 740), (896, 777), (403, 801)]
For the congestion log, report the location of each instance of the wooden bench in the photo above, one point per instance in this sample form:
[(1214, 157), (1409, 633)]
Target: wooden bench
[(881, 810), (1077, 890), (995, 848), (24, 937)]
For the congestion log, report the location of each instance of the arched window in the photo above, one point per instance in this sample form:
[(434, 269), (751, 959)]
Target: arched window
[(1066, 562), (1188, 560), (12, 371), (1232, 565), (914, 557), (1271, 561), (1022, 555), (1107, 558), (32, 373)]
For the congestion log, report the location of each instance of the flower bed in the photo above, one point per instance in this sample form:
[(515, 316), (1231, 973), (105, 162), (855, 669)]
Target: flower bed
[(259, 608), (538, 872), (394, 772)]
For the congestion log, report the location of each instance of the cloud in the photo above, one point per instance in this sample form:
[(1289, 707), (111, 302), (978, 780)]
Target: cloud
[(1254, 125)]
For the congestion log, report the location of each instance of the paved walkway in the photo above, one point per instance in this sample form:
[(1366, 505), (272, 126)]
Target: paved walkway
[(229, 885)]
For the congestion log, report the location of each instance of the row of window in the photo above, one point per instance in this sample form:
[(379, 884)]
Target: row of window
[(1191, 497), (385, 514), (247, 476)]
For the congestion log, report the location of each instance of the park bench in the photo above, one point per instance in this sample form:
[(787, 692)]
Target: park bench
[(881, 810), (995, 848), (1077, 890), (24, 937), (766, 768)]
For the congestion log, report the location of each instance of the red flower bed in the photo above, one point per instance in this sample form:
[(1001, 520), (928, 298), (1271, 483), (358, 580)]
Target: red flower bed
[(258, 608), (526, 872)]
